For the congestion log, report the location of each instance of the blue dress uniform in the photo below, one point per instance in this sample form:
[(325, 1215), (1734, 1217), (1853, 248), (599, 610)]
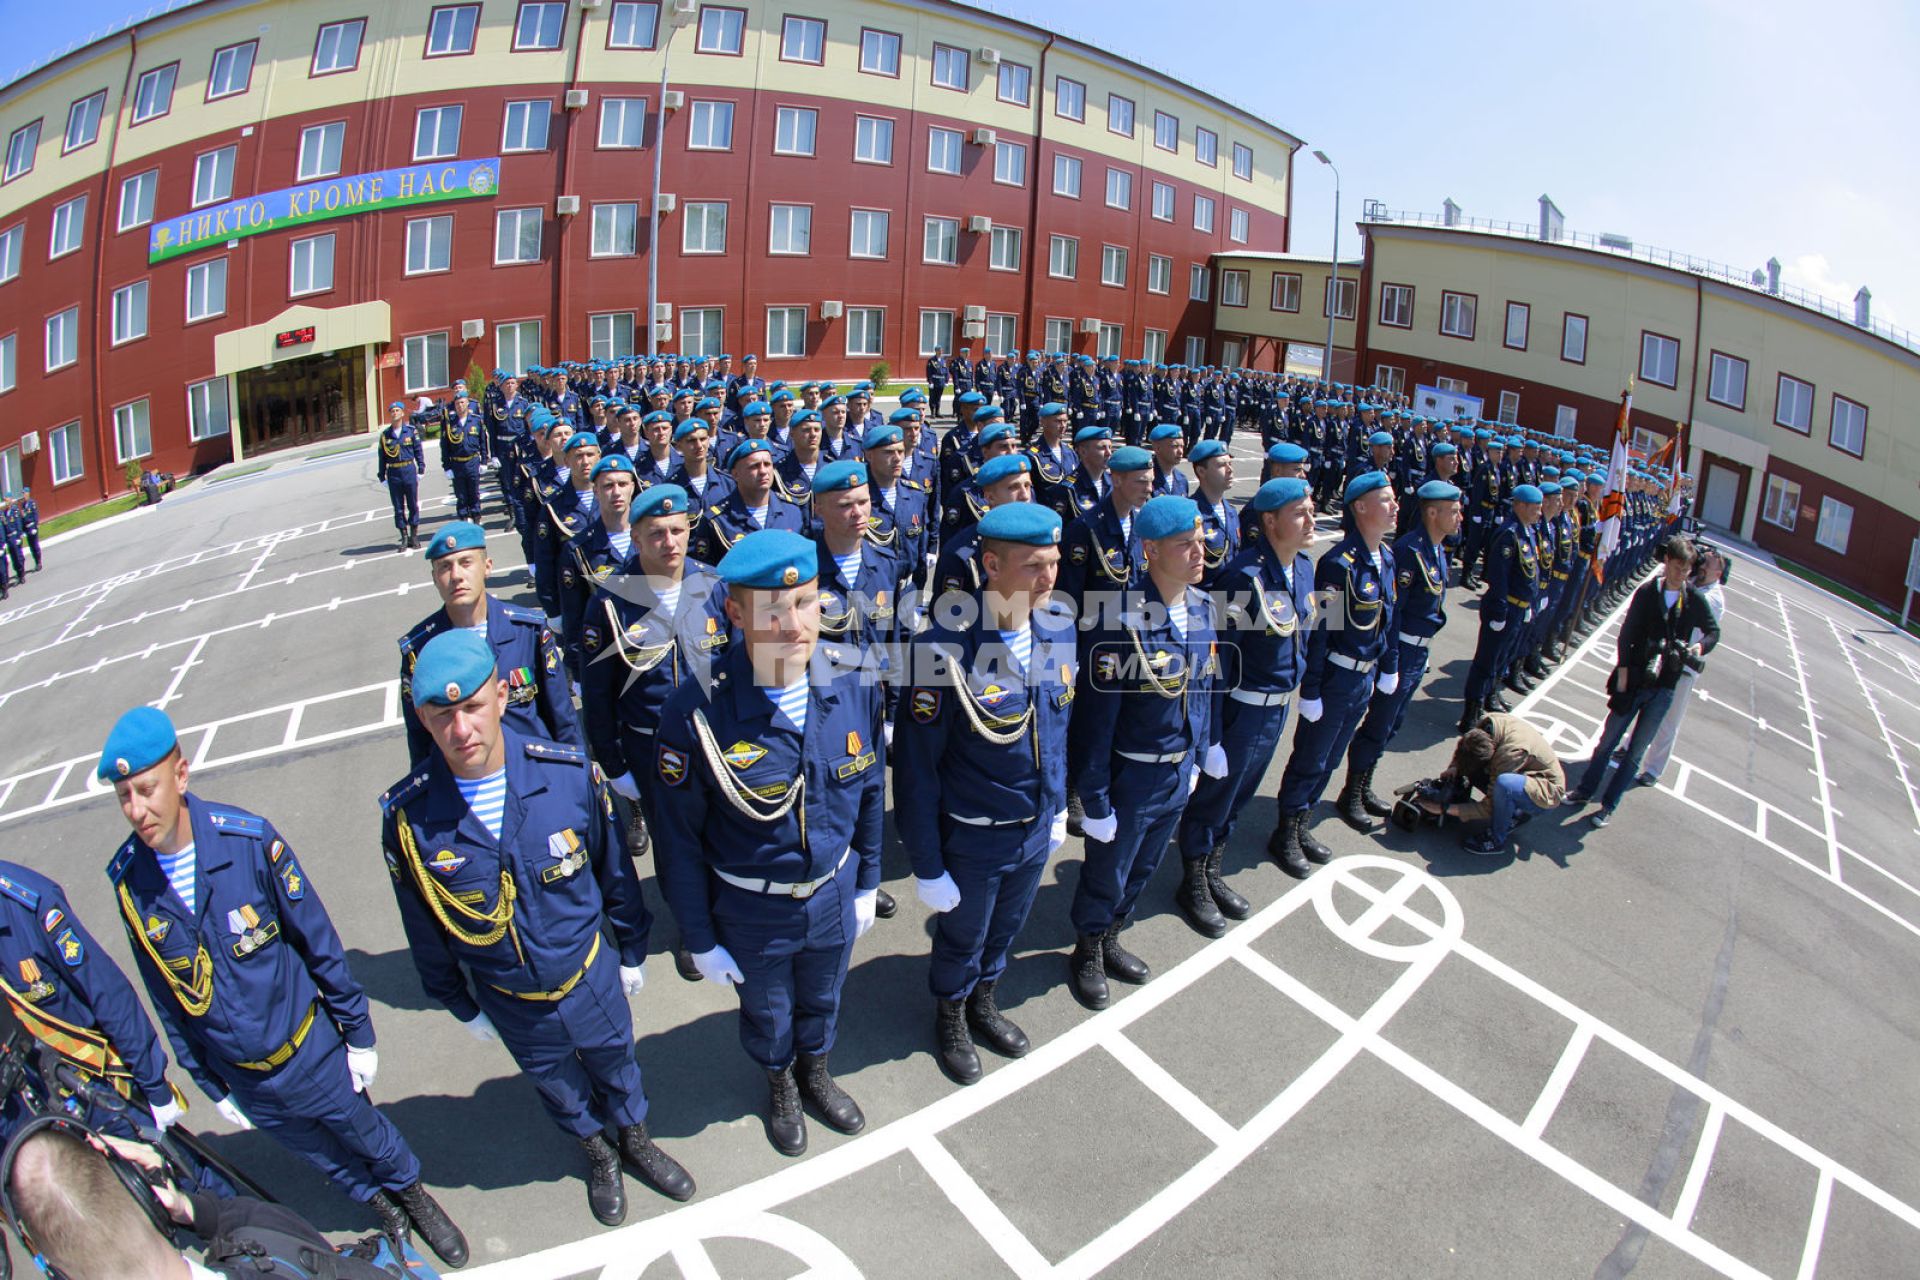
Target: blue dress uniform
[(529, 658), (30, 524), (1100, 551), (1054, 469), (564, 513), (401, 458), (936, 382), (1512, 567), (463, 451)]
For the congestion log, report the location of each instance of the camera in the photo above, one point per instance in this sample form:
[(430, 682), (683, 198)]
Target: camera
[(1679, 655), (1408, 815)]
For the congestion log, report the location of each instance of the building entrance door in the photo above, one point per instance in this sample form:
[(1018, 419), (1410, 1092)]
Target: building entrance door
[(1716, 507), (299, 401)]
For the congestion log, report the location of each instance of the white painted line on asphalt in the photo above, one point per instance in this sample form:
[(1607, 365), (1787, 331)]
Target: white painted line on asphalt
[(1886, 735), (179, 673), (1696, 1181), (1555, 1089), (1176, 1095), (987, 1218), (1827, 817), (1816, 1225)]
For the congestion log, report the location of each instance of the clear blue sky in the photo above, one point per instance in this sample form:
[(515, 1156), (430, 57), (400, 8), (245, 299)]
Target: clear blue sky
[(1735, 130)]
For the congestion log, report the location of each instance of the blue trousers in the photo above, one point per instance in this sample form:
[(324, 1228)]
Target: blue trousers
[(403, 490), (1249, 735), (1318, 744), (466, 489), (578, 1050), (1644, 712), (1486, 656), (1147, 799), (998, 870), (1509, 800), (793, 955), (1386, 711)]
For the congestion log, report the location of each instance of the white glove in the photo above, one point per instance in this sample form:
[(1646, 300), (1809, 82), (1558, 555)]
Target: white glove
[(1310, 709), (632, 978), (1057, 833), (496, 464), (553, 625), (939, 893), (1193, 782), (625, 787), (1101, 829), (717, 966), (1215, 765), (230, 1111), (1497, 626), (167, 1113), (866, 907), (1388, 682), (363, 1065), (480, 1027), (1529, 614), (573, 687)]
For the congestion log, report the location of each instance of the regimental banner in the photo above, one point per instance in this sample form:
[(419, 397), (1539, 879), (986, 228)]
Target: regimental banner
[(318, 201)]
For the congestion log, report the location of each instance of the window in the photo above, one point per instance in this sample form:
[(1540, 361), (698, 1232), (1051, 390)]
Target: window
[(1015, 84), (1063, 257), (786, 331), (130, 312), (69, 224), (320, 148), (616, 230), (1206, 147), (1243, 161), (1163, 200), (793, 130), (803, 40), (1154, 348), (1342, 298), (623, 123), (952, 68), (790, 229), (1203, 213), (1836, 525), (63, 339), (450, 31), (83, 121), (21, 146), (526, 126), (540, 26), (936, 332), (1066, 176), (1396, 305), (1113, 265), (880, 53), (873, 140), (153, 95), (1196, 351), (868, 234), (424, 361), (1199, 283), (336, 47), (1111, 337), (711, 128), (136, 199), (1119, 189), (943, 150), (1727, 381), (1573, 338), (1519, 321), (1849, 431), (1509, 412), (430, 244), (68, 461), (1793, 404), (1781, 506), (9, 362), (610, 335), (941, 242), (10, 241), (206, 290), (517, 345), (516, 237), (232, 70), (311, 265), (1390, 378), (1564, 418), (132, 432), (1010, 163), (1237, 225), (1286, 292), (207, 414), (1647, 443), (1159, 274), (1003, 332), (436, 133), (1452, 386), (213, 176), (633, 25), (1004, 250), (1457, 313), (1233, 288), (1166, 131), (1120, 115), (1659, 359), (1059, 334), (705, 227), (721, 30), (866, 326)]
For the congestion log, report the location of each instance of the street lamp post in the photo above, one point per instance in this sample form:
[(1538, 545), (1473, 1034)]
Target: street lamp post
[(675, 20), (1333, 277)]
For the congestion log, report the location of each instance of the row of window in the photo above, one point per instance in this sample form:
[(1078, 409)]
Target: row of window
[(207, 416), (1780, 507), (1338, 299)]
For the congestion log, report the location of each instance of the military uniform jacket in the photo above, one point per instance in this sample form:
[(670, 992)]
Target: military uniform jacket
[(637, 655), (1513, 573), (859, 615), (1423, 574), (400, 453), (1053, 477), (1220, 527), (235, 979), (791, 479), (462, 441), (719, 485), (1270, 607), (1088, 490), (901, 528), (523, 913), (562, 518), (1096, 554), (1174, 481), (729, 521), (1357, 621), (738, 791), (525, 654), (588, 560)]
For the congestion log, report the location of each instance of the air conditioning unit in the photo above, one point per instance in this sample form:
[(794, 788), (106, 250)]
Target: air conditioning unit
[(662, 333), (974, 329), (980, 224), (686, 8), (976, 314), (1090, 325), (30, 442), (990, 57), (832, 310), (663, 313), (985, 137), (564, 205), (665, 202), (576, 99), (472, 330), (592, 6), (673, 100)]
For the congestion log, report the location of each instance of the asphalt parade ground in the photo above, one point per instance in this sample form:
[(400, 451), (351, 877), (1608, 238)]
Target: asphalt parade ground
[(1684, 1045)]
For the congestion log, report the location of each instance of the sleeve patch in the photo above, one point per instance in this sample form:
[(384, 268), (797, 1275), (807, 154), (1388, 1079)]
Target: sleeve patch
[(671, 764), (926, 705)]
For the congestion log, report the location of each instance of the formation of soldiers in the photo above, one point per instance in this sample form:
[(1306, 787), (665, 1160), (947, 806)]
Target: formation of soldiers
[(20, 531), (755, 604)]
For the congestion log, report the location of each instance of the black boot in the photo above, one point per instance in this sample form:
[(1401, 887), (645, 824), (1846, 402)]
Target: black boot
[(1076, 814), (683, 964), (1194, 897), (1311, 848), (993, 1026), (652, 1165), (1231, 904), (638, 841), (1535, 667), (1348, 805), (957, 1055), (1283, 846), (1470, 715), (883, 905), (832, 1102), (1372, 803), (606, 1193), (1497, 700), (433, 1224), (1518, 682), (786, 1123), (1087, 973), (394, 1223), (1121, 963)]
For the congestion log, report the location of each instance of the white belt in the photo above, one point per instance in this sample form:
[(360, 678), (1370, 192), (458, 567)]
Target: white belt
[(1351, 664), (1418, 642), (988, 822), (1173, 757), (1260, 699), (803, 889)]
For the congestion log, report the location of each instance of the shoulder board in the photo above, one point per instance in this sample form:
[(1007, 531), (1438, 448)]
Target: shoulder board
[(236, 821), (121, 859), (518, 613), (1345, 557), (418, 637), (19, 893), (906, 483), (540, 749), (404, 790)]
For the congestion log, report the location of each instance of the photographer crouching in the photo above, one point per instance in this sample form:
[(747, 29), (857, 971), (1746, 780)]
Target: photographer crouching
[(1510, 763)]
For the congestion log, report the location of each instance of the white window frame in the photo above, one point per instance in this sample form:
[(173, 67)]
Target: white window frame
[(1206, 148), (83, 120), (1234, 288), (1341, 303), (796, 131), (1196, 350), (1243, 161), (697, 227), (710, 119), (610, 238), (1203, 214), (863, 225), (1159, 273), (944, 144), (540, 39), (1566, 419), (1003, 331), (153, 93), (1459, 314), (514, 333), (1111, 339), (9, 362), (951, 68), (623, 124), (1722, 388), (1066, 175), (941, 337), (1285, 284), (429, 245), (604, 331), (1119, 189), (67, 230), (1014, 84), (869, 326), (129, 312), (314, 250), (1452, 386), (1780, 503), (328, 62), (1573, 332), (1509, 410), (1059, 331), (132, 431), (449, 40), (1010, 163), (524, 111), (1166, 131), (316, 142), (1006, 248), (139, 212), (1654, 345), (1114, 261), (1063, 257), (62, 339), (1801, 422), (786, 333), (1166, 202), (518, 220), (789, 230), (803, 40), (66, 453), (879, 52), (1199, 282), (1153, 346), (217, 90), (728, 34), (1396, 306), (1835, 529), (1120, 115), (23, 145), (202, 279), (1834, 431), (869, 135), (430, 140), (417, 362), (1239, 225), (12, 241), (213, 176), (940, 241), (1390, 378), (1525, 314), (1070, 99)]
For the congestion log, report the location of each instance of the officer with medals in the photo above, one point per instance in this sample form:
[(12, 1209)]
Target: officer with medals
[(507, 863), (463, 451), (750, 504), (1054, 461), (1512, 568), (1213, 475), (249, 978), (1143, 732), (593, 554), (1001, 480), (858, 580), (399, 458), (1102, 548), (1268, 593), (1349, 655)]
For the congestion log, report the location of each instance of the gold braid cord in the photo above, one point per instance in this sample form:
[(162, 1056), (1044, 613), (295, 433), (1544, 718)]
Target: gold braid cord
[(749, 805), (1168, 689), (195, 992), (1281, 626), (444, 905), (639, 658), (1001, 731), (1100, 552)]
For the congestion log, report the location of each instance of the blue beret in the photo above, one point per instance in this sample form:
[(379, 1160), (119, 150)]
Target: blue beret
[(994, 470), (754, 408), (1129, 457), (705, 402), (453, 667), (1275, 494), (461, 535), (1286, 451), (1379, 438), (804, 416), (1574, 478), (835, 476), (1493, 441), (995, 430), (1087, 435), (987, 413), (772, 558), (1023, 522), (749, 356), (912, 395), (500, 373), (540, 420), (900, 417), (1365, 483), (660, 500), (1165, 516), (582, 439), (1444, 450), (1164, 431), (616, 463), (1053, 409), (683, 393), (1527, 493), (1438, 491), (1548, 489), (396, 405), (1204, 450), (968, 397), (832, 400), (657, 415), (139, 740), (746, 449), (778, 396), (1550, 472), (1479, 433), (882, 436), (688, 427)]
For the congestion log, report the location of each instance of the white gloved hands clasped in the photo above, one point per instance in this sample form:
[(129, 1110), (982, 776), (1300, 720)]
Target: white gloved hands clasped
[(866, 909), (1101, 829), (1215, 765), (940, 893), (718, 965), (1311, 709), (1389, 682)]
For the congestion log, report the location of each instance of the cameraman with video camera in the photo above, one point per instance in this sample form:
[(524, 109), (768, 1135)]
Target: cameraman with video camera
[(1507, 759)]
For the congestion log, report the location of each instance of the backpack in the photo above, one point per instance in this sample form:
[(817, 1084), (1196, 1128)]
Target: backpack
[(258, 1251)]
